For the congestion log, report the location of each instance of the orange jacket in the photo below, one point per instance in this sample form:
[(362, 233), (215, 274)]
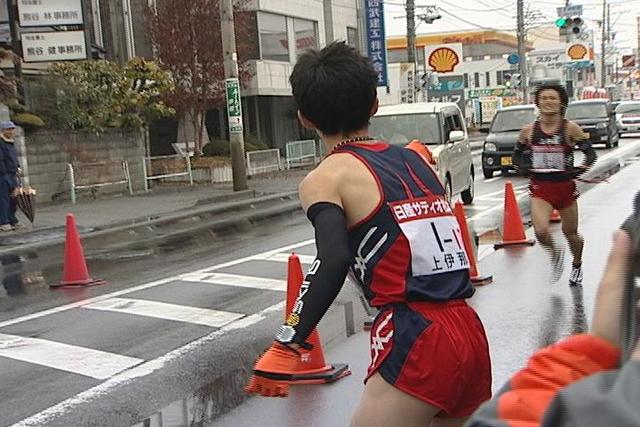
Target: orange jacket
[(572, 383)]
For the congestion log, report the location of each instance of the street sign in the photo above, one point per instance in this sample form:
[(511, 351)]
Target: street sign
[(573, 10), (513, 59), (53, 46), (376, 40), (234, 106), (39, 13)]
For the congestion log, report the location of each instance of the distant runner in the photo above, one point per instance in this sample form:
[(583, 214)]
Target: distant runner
[(545, 151)]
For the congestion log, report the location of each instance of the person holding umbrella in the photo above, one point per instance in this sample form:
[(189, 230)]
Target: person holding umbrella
[(10, 170)]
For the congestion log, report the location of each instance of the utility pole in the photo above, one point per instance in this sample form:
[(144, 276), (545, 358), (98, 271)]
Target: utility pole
[(411, 31), (234, 103), (603, 73), (521, 53), (15, 46)]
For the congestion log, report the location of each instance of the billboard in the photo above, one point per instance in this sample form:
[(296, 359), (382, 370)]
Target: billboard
[(444, 58)]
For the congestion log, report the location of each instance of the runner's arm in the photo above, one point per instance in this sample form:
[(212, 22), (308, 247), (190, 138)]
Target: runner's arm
[(581, 139), (320, 199), (520, 152)]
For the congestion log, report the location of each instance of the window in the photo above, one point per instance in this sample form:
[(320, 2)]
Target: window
[(477, 58), (352, 37), (487, 76), (305, 34), (498, 56), (476, 80), (466, 80), (273, 37)]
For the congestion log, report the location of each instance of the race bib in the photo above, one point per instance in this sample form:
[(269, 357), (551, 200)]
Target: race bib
[(433, 233), (548, 158)]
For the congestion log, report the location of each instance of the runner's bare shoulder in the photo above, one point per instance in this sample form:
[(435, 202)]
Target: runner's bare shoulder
[(575, 133)]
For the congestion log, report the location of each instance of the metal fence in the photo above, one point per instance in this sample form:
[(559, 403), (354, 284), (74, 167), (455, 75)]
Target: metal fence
[(300, 153), (263, 161), (98, 174), (161, 167)]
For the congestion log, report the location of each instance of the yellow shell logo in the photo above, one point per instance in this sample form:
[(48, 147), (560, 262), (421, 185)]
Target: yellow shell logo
[(443, 60), (577, 51)]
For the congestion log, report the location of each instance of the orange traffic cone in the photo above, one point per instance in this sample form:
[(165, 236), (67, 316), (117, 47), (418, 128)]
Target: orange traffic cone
[(476, 278), (513, 230), (312, 368), (75, 272), (555, 216)]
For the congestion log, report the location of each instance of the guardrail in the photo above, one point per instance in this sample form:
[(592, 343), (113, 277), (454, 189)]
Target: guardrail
[(301, 153), (263, 161), (98, 174), (161, 167)]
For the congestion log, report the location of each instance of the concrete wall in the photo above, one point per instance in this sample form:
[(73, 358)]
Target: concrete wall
[(48, 154)]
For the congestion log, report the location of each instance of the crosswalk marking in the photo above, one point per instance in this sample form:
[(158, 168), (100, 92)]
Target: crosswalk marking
[(78, 360), (161, 310), (240, 281), (282, 257)]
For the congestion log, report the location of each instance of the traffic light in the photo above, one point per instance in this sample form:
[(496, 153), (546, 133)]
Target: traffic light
[(570, 25), (577, 24), (507, 80), (561, 22), (516, 80)]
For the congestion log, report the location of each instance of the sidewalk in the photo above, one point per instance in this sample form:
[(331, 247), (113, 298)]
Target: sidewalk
[(521, 311), (111, 211)]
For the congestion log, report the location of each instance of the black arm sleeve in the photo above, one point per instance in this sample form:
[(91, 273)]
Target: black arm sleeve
[(522, 158), (589, 153), (326, 275)]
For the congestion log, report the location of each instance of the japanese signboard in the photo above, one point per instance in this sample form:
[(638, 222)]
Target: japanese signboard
[(234, 106), (44, 13), (572, 10), (53, 46), (376, 41), (448, 89), (480, 93), (444, 58)]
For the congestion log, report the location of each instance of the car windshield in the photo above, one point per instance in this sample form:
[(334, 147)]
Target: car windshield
[(400, 129), (586, 111), (512, 120), (628, 108)]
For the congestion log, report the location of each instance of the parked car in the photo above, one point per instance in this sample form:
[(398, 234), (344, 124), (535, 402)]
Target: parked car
[(628, 117), (503, 136), (441, 127), (595, 117)]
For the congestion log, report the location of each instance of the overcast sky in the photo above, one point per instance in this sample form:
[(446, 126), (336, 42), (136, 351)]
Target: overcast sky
[(501, 14)]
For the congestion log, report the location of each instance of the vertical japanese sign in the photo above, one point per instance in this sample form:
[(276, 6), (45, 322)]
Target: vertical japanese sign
[(376, 41), (234, 106)]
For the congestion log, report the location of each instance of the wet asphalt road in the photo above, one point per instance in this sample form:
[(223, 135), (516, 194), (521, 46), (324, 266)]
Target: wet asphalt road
[(122, 333)]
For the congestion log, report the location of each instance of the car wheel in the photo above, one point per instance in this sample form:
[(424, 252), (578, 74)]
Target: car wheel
[(467, 195), (448, 190), (487, 173), (608, 144)]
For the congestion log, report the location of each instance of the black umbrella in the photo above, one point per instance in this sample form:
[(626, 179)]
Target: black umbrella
[(26, 201)]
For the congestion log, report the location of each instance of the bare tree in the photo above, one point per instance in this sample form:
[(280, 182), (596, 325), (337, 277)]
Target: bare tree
[(187, 42)]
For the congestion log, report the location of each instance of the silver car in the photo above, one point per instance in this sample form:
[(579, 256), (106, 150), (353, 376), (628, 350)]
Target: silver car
[(441, 127), (628, 117)]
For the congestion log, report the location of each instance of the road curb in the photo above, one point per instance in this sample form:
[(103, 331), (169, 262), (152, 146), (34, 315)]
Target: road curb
[(144, 224)]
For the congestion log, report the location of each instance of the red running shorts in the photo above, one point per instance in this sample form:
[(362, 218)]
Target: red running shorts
[(434, 351)]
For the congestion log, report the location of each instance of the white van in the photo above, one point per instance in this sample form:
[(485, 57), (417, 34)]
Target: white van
[(441, 127)]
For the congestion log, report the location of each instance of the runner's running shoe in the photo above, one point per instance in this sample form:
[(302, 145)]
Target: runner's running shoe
[(575, 279)]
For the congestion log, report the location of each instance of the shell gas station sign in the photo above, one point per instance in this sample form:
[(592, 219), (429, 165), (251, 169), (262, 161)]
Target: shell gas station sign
[(578, 52), (444, 58)]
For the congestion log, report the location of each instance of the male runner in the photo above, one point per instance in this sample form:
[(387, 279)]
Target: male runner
[(545, 151), (381, 211)]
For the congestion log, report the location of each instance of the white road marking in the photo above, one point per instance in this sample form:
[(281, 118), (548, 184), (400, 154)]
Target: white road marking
[(142, 370), (495, 178), (161, 310), (146, 286), (241, 281), (70, 358), (283, 257)]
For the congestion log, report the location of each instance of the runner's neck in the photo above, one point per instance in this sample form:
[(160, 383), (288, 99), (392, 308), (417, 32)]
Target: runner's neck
[(549, 123)]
